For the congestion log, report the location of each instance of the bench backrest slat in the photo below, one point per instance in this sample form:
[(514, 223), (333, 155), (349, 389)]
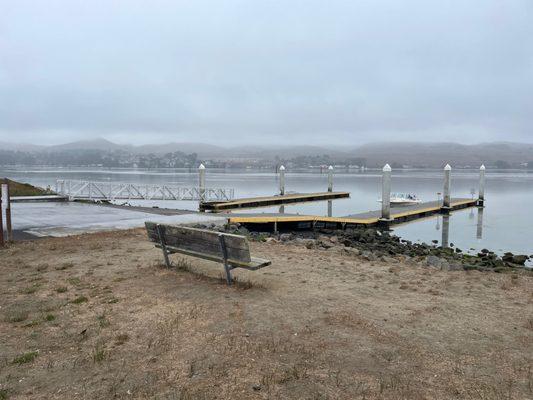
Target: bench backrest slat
[(201, 241)]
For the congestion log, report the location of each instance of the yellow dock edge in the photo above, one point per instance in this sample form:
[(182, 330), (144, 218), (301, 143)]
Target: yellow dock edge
[(291, 196), (454, 204), (303, 218), (341, 220), (270, 201)]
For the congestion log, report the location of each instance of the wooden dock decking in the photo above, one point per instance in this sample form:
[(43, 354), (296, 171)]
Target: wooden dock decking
[(371, 218), (267, 201)]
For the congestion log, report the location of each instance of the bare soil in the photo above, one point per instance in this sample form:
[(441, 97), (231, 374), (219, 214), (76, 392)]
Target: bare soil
[(98, 316)]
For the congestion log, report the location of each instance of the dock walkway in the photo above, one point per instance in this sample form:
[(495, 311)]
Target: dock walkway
[(267, 201), (370, 218)]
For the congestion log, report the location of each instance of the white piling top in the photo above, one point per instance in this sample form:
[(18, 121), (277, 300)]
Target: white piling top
[(202, 166), (330, 167), (482, 167), (282, 168), (447, 167), (387, 168)]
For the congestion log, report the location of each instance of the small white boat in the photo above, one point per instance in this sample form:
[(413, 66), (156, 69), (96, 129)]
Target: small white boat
[(403, 199)]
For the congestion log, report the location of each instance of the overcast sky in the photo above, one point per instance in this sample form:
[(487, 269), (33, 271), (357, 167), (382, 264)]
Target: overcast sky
[(253, 71)]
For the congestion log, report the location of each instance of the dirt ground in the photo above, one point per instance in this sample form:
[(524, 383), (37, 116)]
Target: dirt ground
[(98, 316)]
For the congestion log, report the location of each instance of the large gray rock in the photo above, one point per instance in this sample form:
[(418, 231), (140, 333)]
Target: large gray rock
[(243, 231), (519, 259), (436, 262), (309, 243), (285, 237), (324, 241), (352, 251)]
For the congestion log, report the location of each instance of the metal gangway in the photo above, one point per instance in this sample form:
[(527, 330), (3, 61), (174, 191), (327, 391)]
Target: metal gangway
[(88, 190)]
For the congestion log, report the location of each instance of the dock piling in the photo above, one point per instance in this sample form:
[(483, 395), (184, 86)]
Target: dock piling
[(481, 195), (5, 210), (330, 178), (385, 193), (282, 180), (201, 183), (446, 198)]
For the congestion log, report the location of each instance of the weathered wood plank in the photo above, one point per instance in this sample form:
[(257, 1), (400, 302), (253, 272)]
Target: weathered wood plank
[(201, 241), (253, 264)]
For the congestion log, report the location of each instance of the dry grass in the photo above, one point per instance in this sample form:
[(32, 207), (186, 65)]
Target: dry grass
[(316, 324), (24, 189)]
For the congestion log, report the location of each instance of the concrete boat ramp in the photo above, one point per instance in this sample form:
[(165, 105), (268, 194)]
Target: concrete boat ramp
[(58, 219)]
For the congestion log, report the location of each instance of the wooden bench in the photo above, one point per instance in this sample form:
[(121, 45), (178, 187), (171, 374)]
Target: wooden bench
[(231, 250)]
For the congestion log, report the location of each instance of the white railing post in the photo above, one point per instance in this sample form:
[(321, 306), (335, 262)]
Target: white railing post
[(481, 196), (330, 178), (385, 193), (446, 196), (282, 180)]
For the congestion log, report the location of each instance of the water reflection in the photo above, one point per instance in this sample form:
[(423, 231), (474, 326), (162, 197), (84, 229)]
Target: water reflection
[(479, 233), (330, 208), (445, 231)]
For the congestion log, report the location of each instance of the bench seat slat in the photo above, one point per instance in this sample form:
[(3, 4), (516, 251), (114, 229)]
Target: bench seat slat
[(254, 263)]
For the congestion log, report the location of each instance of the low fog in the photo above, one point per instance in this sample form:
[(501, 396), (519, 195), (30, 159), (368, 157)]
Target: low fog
[(266, 72)]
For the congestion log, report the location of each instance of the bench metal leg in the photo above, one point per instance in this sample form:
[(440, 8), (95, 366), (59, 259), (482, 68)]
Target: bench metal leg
[(227, 267), (160, 232)]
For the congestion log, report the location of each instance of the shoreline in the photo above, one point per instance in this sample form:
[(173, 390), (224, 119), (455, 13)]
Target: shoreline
[(485, 258), (373, 244)]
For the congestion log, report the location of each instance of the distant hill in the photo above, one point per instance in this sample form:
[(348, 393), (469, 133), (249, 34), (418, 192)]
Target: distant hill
[(206, 150), (283, 152), (439, 154), (414, 154), (96, 144)]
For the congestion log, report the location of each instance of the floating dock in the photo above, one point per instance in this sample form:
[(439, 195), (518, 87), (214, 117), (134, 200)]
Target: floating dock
[(268, 222), (253, 202)]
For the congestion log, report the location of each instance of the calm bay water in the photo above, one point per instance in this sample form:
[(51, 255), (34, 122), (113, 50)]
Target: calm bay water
[(505, 224)]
